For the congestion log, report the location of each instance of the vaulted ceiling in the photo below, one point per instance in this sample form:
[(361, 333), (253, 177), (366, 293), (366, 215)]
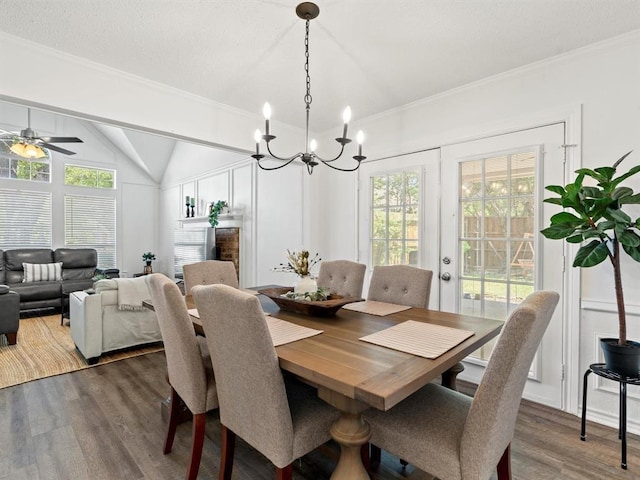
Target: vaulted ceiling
[(374, 55)]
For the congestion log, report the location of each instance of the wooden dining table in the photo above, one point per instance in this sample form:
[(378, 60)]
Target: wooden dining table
[(353, 375)]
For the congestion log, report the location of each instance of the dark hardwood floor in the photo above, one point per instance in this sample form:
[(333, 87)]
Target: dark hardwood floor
[(105, 423)]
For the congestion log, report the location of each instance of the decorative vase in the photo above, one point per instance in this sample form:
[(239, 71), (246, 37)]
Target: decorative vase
[(305, 284), (622, 359)]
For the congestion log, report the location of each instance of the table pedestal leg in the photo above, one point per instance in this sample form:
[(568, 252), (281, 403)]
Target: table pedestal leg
[(350, 431), (449, 377)]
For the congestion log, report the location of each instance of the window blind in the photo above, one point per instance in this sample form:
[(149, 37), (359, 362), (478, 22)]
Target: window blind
[(189, 246), (25, 220), (90, 222)]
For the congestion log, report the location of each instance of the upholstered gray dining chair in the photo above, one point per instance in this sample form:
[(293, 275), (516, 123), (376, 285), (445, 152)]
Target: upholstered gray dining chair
[(453, 436), (281, 419), (401, 284), (188, 364), (209, 272), (342, 277)]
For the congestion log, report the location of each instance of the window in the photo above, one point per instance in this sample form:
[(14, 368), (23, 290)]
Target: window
[(497, 229), (25, 220), (13, 166), (395, 209), (90, 222), (89, 177), (188, 247)]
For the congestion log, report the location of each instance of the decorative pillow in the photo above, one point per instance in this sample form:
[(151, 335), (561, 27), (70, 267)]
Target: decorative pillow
[(42, 272)]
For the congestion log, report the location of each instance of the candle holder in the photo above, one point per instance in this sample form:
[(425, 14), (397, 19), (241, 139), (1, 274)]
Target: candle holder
[(193, 213), (188, 205)]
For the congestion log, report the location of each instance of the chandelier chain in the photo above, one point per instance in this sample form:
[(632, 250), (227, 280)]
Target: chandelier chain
[(307, 98)]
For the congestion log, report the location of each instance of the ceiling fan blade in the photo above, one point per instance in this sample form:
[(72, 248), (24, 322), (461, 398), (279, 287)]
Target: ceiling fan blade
[(61, 140), (57, 149)]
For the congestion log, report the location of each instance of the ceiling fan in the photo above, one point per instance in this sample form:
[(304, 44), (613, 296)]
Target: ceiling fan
[(29, 145)]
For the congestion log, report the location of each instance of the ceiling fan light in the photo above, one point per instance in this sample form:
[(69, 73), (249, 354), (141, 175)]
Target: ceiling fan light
[(18, 149), (27, 150)]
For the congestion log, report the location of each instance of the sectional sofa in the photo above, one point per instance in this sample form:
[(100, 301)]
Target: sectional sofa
[(51, 274)]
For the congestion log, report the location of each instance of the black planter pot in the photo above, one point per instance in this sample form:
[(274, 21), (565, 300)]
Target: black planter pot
[(622, 359)]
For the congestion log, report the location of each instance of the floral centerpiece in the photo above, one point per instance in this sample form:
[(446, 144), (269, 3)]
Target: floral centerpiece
[(301, 264)]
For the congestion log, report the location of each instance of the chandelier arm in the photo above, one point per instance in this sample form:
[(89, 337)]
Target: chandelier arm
[(284, 159), (279, 166), (340, 169), (327, 161)]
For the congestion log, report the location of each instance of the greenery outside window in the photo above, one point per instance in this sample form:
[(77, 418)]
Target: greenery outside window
[(89, 177), (395, 219)]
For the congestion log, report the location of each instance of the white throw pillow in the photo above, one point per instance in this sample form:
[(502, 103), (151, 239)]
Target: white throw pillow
[(42, 272)]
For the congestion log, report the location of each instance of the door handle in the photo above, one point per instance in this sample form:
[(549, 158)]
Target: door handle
[(446, 276)]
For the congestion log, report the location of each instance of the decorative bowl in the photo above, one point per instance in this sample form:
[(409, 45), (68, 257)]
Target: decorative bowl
[(321, 308)]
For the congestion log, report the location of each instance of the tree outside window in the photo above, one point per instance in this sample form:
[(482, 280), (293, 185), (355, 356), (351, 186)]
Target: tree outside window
[(395, 218)]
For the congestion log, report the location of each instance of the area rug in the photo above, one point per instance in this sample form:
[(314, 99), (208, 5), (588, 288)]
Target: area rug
[(45, 348)]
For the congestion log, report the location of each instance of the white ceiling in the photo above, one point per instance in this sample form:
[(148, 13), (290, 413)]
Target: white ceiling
[(371, 54)]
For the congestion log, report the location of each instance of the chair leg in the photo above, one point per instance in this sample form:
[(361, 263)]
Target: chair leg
[(375, 457), (226, 455), (284, 473), (174, 410), (199, 422), (365, 456), (504, 465)]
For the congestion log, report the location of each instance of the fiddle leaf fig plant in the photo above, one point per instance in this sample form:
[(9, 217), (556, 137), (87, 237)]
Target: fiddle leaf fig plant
[(599, 223)]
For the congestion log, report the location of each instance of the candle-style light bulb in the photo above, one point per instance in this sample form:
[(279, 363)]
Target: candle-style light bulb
[(257, 136), (266, 111), (313, 145), (346, 118), (360, 140)]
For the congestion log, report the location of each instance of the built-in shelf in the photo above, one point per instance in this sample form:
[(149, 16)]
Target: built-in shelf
[(228, 220)]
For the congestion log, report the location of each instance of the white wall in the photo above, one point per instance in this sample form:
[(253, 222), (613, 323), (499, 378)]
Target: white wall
[(603, 80)]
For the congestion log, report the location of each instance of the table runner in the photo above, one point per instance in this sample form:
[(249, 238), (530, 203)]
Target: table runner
[(417, 338), (373, 307)]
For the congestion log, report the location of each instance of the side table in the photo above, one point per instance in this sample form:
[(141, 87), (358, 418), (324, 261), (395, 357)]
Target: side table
[(64, 302), (600, 370)]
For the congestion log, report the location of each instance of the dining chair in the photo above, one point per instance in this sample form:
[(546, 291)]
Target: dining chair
[(401, 284), (188, 364), (342, 277), (453, 436), (209, 272), (283, 420)]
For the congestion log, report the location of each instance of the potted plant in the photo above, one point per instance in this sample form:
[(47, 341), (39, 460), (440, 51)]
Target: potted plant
[(605, 231), (216, 209), (148, 258)]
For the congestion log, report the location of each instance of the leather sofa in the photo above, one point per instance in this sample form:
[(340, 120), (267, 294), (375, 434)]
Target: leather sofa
[(100, 323), (9, 314), (78, 268)]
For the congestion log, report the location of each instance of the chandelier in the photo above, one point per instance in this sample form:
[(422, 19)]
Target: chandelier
[(308, 11)]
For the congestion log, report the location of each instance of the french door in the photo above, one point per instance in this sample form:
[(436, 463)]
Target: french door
[(491, 252)]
